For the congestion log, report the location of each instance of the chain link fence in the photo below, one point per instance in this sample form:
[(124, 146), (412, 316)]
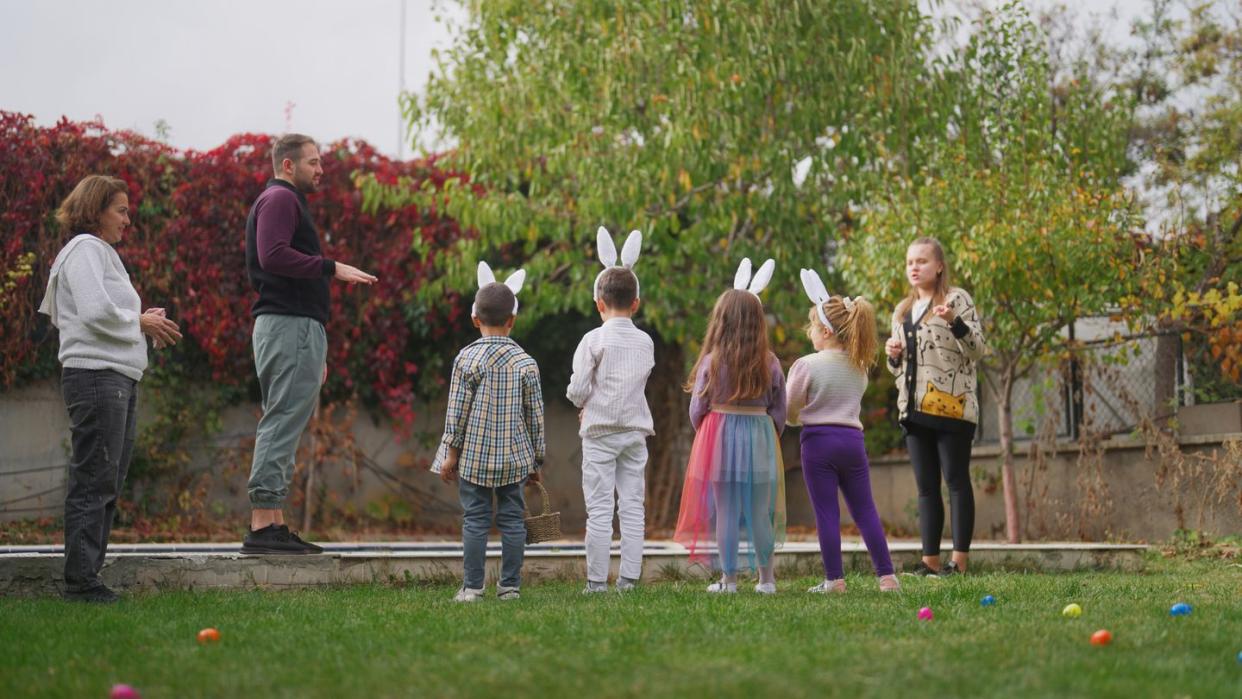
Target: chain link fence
[(1107, 389)]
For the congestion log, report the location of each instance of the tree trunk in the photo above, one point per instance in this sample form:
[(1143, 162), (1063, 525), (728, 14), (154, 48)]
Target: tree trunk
[(1004, 407), (669, 449)]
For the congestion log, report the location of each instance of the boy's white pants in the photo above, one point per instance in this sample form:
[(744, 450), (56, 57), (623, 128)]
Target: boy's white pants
[(614, 462)]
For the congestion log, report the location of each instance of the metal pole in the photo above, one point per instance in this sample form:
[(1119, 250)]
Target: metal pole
[(401, 85), (1074, 397)]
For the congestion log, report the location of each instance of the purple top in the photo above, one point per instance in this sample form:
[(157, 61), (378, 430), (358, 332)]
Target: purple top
[(277, 215), (773, 401), (284, 259)]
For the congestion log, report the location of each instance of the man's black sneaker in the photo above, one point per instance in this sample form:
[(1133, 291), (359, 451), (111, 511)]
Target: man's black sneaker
[(98, 594), (310, 548), (273, 539), (921, 569), (950, 569)]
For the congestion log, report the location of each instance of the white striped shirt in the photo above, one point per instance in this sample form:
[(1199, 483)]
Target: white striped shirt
[(611, 366), (825, 388)]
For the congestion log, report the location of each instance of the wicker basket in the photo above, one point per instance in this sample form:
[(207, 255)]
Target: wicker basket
[(546, 526)]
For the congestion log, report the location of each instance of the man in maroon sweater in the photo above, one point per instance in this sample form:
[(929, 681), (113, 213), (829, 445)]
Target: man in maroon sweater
[(288, 270)]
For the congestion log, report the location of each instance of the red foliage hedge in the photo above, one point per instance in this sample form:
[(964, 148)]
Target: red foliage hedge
[(186, 252)]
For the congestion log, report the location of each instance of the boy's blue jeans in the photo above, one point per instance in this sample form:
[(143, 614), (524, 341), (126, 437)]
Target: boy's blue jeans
[(476, 523)]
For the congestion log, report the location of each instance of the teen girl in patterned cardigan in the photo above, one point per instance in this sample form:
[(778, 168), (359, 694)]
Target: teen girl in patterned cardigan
[(935, 345)]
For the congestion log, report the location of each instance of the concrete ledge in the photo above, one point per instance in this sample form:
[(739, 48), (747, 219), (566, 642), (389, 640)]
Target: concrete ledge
[(36, 570), (1066, 446)]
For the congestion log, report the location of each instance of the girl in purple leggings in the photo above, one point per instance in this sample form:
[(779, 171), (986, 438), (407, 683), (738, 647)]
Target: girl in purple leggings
[(824, 393)]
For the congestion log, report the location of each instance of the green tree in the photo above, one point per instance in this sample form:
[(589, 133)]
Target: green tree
[(680, 119), (1024, 194), (1187, 78)]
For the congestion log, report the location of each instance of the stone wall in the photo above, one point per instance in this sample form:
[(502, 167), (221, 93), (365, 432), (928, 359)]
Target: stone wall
[(1112, 495)]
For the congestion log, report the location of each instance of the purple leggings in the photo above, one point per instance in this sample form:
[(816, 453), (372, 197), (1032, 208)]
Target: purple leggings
[(834, 456)]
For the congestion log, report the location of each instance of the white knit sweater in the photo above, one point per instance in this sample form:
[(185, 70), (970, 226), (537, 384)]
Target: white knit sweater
[(94, 306)]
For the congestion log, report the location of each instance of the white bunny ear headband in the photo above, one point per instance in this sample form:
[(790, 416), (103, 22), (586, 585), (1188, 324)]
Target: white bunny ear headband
[(608, 256), (514, 282), (819, 296), (745, 282)]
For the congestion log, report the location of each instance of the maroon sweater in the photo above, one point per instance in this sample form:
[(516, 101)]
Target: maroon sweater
[(283, 257)]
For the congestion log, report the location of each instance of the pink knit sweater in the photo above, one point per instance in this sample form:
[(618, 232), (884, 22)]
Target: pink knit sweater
[(825, 388)]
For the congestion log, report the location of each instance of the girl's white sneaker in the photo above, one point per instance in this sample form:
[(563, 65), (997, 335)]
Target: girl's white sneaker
[(828, 586), (766, 588), (722, 588)]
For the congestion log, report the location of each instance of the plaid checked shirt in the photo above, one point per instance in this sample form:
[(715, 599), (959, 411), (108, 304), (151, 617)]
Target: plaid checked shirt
[(495, 414)]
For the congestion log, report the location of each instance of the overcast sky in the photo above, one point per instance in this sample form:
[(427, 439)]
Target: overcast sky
[(212, 68)]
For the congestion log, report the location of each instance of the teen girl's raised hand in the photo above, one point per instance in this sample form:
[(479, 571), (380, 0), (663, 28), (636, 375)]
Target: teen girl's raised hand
[(945, 312)]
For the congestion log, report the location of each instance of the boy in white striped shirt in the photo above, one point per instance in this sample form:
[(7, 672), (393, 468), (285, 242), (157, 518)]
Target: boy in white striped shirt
[(610, 371)]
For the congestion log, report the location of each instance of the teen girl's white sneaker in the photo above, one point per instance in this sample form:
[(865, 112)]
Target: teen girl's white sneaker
[(828, 586), (468, 594), (766, 588), (722, 588)]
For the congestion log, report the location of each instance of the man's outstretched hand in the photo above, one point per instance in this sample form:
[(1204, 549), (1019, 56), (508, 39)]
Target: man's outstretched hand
[(352, 275)]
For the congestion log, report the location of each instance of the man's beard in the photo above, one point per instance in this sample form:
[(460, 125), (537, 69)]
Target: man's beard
[(307, 185)]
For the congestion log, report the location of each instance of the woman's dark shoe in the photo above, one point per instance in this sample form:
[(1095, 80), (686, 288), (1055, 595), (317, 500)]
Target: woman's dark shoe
[(921, 569), (97, 594), (950, 569)]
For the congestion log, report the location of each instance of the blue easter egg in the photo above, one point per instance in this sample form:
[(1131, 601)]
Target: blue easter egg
[(1180, 609), (988, 601)]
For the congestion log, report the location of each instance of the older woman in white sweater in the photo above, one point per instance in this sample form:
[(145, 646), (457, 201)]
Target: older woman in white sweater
[(103, 353)]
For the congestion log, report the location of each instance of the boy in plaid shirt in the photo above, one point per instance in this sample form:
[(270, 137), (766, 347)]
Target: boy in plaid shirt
[(493, 440)]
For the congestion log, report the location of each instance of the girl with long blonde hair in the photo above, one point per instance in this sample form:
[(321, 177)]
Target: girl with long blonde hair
[(824, 393)]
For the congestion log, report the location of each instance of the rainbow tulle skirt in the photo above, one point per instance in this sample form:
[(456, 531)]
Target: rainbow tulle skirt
[(733, 500)]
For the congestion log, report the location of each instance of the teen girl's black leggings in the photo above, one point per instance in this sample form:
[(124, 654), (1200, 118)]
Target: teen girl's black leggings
[(934, 453)]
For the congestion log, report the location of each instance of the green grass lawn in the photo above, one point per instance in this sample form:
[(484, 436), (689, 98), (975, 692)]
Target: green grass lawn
[(667, 639)]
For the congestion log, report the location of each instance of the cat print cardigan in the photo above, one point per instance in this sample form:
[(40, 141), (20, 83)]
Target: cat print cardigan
[(937, 369)]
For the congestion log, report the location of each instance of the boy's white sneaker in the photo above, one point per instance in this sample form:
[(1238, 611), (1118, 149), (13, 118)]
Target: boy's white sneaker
[(507, 594), (468, 594), (625, 585), (722, 588), (766, 588), (594, 588)]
